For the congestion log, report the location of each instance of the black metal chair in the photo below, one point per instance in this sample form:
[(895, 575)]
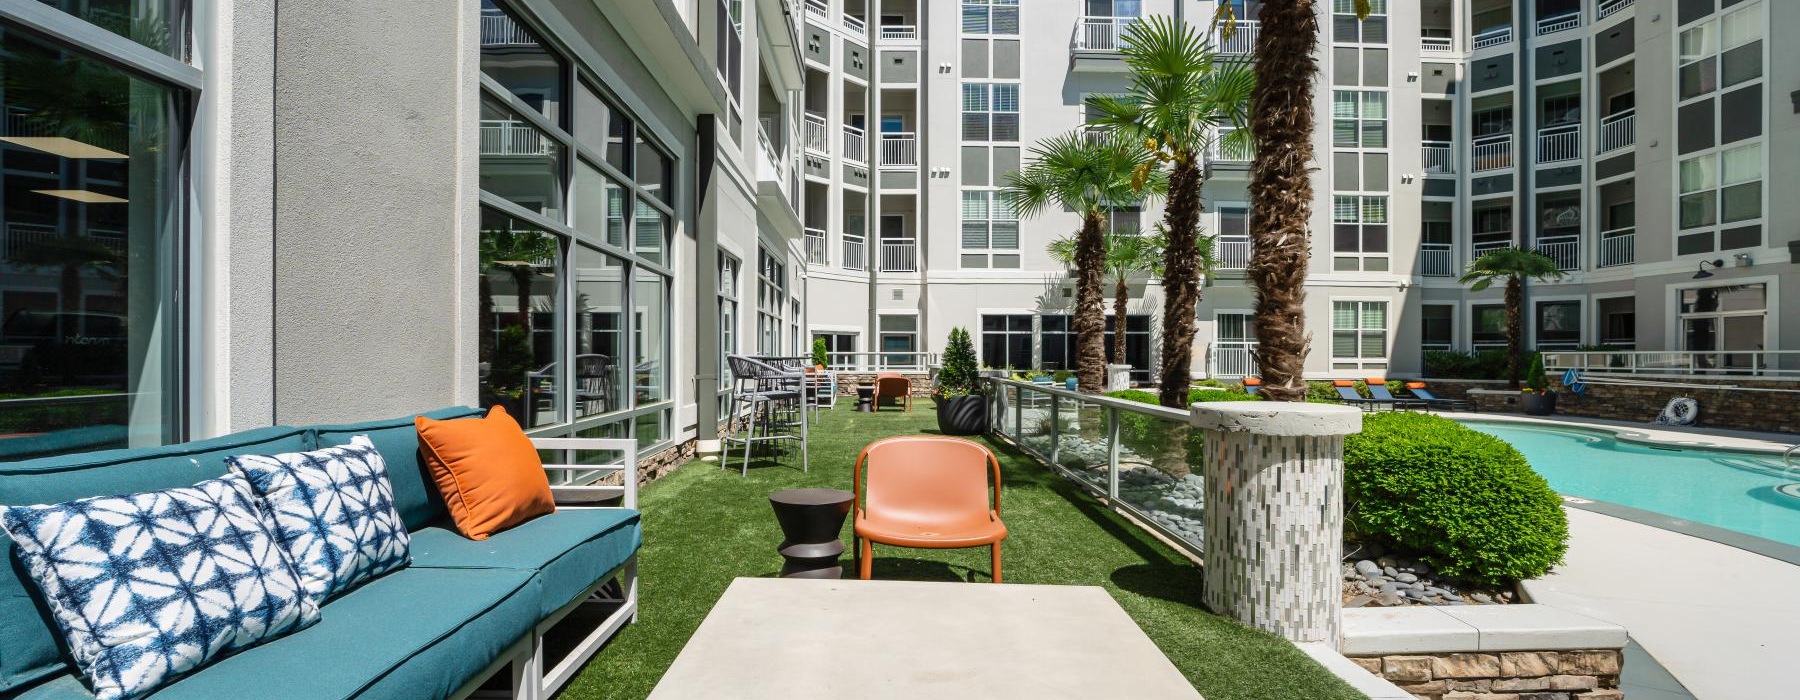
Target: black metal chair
[(775, 403)]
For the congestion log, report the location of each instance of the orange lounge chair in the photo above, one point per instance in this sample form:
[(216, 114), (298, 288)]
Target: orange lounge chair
[(893, 385), (927, 492), (1252, 385)]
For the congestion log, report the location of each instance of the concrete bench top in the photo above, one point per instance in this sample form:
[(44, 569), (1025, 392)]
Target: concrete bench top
[(1466, 628)]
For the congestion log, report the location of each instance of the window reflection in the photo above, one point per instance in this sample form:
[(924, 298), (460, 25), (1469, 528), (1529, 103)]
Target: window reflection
[(652, 232), (651, 339), (518, 297), (88, 313), (601, 127), (654, 171), (519, 162), (515, 57), (158, 24), (600, 336)]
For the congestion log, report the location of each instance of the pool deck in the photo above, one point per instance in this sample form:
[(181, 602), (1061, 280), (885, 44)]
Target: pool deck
[(1722, 620)]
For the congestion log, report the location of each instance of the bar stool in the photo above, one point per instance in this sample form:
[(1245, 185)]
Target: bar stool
[(775, 400)]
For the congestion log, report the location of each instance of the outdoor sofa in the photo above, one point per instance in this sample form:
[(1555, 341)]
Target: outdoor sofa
[(461, 611)]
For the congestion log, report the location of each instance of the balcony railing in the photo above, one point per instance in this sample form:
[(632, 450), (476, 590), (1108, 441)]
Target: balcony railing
[(507, 137), (1559, 23), (1608, 7), (1242, 40), (856, 144), (1479, 249), (855, 24), (819, 9), (1436, 260), (899, 150), (815, 134), (20, 239), (855, 252), (1440, 157), (1437, 44), (881, 361), (899, 256), (1223, 152), (1493, 37), (899, 32), (1618, 247), (1559, 143), (1234, 252), (1102, 33), (1493, 153), (1618, 131), (1565, 250), (1232, 358), (1763, 363), (816, 253), (497, 29)]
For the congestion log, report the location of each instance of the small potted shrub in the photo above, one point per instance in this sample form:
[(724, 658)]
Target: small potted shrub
[(962, 410), (1536, 399), (820, 357)]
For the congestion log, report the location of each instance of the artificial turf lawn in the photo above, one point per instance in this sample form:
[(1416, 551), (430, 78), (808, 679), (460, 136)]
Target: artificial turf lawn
[(704, 526)]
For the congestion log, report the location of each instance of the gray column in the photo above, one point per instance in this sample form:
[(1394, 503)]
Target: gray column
[(1275, 513)]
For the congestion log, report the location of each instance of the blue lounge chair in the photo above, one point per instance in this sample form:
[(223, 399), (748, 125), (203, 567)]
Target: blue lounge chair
[(1419, 391), (1346, 390), (1379, 391), (1252, 385)]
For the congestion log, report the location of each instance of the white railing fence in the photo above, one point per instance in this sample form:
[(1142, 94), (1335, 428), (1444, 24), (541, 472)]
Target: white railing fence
[(1618, 247), (497, 29), (855, 252), (1233, 358), (1618, 130), (1493, 37), (1479, 249), (1608, 7), (1221, 151), (1559, 143), (772, 160), (815, 133), (1559, 23), (1436, 260), (855, 24), (856, 144), (1242, 40), (1565, 250), (1758, 363), (816, 253), (899, 32), (899, 149), (1493, 153), (506, 137), (1102, 33), (819, 9), (881, 361), (1437, 44), (20, 236), (1440, 157), (899, 256), (1234, 252)]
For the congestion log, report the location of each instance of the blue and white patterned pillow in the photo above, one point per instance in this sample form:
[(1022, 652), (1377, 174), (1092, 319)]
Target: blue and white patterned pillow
[(334, 511), (152, 586)]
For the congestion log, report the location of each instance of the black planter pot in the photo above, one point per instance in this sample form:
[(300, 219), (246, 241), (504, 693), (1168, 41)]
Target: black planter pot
[(963, 415), (1538, 404)]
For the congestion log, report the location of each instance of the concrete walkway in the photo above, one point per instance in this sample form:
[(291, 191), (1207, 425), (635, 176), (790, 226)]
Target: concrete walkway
[(1724, 621)]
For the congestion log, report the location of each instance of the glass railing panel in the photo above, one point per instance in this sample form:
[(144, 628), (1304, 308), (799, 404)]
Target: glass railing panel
[(1159, 473)]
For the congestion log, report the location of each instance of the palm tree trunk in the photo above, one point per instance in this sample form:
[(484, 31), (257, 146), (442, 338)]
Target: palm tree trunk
[(1181, 281), (1121, 295), (1281, 192), (1090, 305), (522, 275), (1515, 328)]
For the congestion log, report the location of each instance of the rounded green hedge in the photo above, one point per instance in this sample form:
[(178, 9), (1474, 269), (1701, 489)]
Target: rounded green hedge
[(1467, 502)]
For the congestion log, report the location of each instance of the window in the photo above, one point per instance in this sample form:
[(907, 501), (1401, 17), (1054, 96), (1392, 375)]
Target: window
[(1719, 128), (1558, 325), (1724, 319), (1437, 326), (994, 17), (837, 344), (1618, 322), (1359, 119), (92, 262), (730, 49), (728, 325), (1125, 221), (1347, 29), (601, 352), (1006, 341), (771, 296), (513, 56), (520, 323), (900, 336), (1358, 335), (1720, 53), (1488, 329), (1722, 188), (1058, 342), (1359, 233), (988, 225), (990, 112), (1059, 350), (1493, 121), (1137, 344)]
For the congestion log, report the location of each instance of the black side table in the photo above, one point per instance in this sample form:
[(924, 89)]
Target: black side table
[(810, 520), (865, 398)]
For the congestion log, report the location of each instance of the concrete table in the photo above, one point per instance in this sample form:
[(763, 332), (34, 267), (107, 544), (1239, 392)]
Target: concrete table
[(800, 639)]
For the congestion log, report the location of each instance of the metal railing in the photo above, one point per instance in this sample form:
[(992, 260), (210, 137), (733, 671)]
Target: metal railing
[(1493, 153), (1618, 247), (1565, 250), (899, 256), (1559, 23), (855, 252), (855, 24), (1140, 459), (818, 8), (1234, 252), (1493, 37), (497, 29), (1606, 8), (507, 137), (815, 132), (1232, 358), (1559, 143), (1618, 130), (899, 32), (773, 166), (816, 253), (899, 149), (1242, 40), (1440, 157), (1220, 151), (881, 361), (1479, 249), (1437, 44), (1437, 260), (20, 237), (856, 144), (1102, 33), (1744, 363)]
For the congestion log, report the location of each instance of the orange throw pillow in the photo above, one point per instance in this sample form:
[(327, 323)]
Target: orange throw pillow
[(488, 471)]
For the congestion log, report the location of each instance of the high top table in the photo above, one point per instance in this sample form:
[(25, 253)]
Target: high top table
[(803, 639)]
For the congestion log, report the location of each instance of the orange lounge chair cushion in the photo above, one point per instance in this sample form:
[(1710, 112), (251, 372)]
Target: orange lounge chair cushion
[(932, 535), (1342, 382), (1252, 381), (487, 470), (1415, 385)]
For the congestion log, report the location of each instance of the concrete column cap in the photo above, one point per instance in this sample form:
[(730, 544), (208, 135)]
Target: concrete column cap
[(1276, 418)]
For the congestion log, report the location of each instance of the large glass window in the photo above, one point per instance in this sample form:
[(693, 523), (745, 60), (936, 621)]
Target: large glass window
[(518, 295), (1618, 322), (771, 296), (1359, 119), (1359, 233), (600, 350), (1347, 28), (1006, 341), (1358, 335), (993, 17), (988, 228), (1558, 325), (1726, 322), (1487, 327), (161, 25), (513, 56), (90, 247), (728, 324), (1437, 326), (990, 112)]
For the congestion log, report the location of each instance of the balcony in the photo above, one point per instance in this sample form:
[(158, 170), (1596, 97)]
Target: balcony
[(774, 166), (816, 253), (814, 133), (819, 10), (899, 150), (1221, 152), (498, 29), (1483, 248), (855, 24), (1493, 153), (1618, 247), (1618, 131), (1559, 23), (1437, 44), (508, 137), (1234, 252), (1232, 358), (1242, 41), (1102, 33), (1559, 143), (855, 252), (899, 255), (899, 32), (1493, 37), (1436, 260), (1607, 8), (1565, 250), (856, 144), (1439, 157)]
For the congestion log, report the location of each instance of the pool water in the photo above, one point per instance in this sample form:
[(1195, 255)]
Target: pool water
[(1733, 490)]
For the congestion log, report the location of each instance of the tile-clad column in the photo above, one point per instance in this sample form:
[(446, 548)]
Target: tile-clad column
[(1275, 513)]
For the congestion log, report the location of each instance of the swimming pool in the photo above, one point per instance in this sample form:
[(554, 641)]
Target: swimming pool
[(1732, 490)]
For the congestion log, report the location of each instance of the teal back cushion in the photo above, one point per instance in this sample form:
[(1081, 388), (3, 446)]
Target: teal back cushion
[(415, 494), (30, 647)]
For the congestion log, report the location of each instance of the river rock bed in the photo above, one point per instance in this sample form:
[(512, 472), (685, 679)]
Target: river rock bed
[(1387, 580)]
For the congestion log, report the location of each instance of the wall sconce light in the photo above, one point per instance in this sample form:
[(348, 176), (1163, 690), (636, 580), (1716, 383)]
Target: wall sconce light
[(1714, 264)]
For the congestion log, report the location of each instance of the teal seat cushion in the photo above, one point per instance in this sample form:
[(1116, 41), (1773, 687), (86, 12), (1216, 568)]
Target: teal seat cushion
[(30, 647), (569, 550), (413, 634), (415, 494)]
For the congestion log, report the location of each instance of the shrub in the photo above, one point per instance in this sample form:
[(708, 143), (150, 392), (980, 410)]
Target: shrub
[(1534, 376), (958, 376), (1467, 501), (1061, 376), (1450, 364), (820, 357), (1138, 395)]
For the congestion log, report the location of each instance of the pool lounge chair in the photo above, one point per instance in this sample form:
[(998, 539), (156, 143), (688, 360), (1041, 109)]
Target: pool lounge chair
[(1346, 390), (1252, 385), (1379, 391), (1419, 391)]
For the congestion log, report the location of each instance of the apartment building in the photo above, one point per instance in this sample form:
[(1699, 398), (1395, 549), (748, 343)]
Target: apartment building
[(1629, 140)]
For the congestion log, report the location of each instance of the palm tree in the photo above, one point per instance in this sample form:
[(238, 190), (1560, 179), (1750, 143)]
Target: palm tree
[(1089, 176), (1514, 266), (1180, 92), (1127, 255)]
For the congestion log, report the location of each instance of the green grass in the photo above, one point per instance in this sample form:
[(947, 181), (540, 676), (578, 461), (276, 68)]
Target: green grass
[(704, 526)]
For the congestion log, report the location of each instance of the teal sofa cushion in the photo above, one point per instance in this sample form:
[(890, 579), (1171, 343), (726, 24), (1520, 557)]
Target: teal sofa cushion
[(415, 633), (415, 494), (569, 550), (30, 647)]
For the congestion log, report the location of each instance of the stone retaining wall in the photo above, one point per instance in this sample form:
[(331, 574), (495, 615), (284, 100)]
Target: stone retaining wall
[(848, 381), (1588, 674), (1739, 408)]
